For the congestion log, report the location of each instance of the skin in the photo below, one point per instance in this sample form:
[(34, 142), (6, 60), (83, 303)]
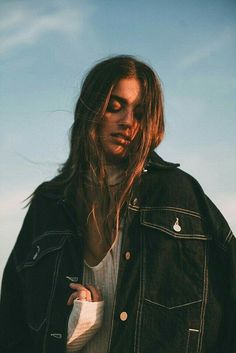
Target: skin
[(119, 127), (84, 293), (121, 120)]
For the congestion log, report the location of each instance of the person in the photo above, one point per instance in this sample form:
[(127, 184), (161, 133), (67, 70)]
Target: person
[(122, 251)]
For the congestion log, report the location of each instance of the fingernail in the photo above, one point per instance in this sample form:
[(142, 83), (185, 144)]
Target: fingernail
[(83, 294)]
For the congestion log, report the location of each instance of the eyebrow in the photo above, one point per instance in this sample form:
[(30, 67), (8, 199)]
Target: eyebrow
[(121, 99)]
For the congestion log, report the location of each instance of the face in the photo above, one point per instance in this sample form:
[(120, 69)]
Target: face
[(121, 121)]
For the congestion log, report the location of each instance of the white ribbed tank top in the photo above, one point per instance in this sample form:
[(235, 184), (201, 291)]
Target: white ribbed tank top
[(104, 276)]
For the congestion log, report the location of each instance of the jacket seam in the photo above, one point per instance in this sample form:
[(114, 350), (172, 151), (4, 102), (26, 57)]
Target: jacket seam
[(172, 209), (39, 327), (115, 298), (179, 236), (134, 208), (49, 313), (228, 238), (137, 337), (52, 232), (187, 345), (204, 302), (32, 263), (172, 307), (220, 245)]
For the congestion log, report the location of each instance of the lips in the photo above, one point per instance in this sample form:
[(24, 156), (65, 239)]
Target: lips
[(122, 138)]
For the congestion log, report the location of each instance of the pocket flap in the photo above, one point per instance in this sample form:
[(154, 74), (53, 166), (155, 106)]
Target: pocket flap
[(176, 222), (46, 243)]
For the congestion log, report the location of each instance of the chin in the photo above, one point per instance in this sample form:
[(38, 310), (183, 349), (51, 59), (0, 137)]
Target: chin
[(116, 158)]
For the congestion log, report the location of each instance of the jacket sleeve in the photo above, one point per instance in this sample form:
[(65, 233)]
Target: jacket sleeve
[(14, 332), (225, 245), (229, 326), (13, 329)]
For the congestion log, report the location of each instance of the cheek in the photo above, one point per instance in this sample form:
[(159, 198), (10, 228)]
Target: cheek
[(108, 124), (104, 132)]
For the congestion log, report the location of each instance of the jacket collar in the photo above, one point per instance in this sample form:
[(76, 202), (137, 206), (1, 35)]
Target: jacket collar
[(157, 162)]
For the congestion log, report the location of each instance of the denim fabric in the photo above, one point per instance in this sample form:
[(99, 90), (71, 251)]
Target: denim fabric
[(177, 286)]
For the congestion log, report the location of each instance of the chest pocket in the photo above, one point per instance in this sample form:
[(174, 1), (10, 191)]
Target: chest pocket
[(175, 243), (39, 272)]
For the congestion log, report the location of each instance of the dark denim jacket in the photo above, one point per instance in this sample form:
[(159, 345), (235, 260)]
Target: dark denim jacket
[(176, 290)]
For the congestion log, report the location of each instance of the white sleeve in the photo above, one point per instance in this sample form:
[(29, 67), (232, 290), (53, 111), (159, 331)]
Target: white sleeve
[(84, 321)]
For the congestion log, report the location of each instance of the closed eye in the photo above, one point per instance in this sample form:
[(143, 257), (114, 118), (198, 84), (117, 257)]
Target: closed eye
[(114, 106)]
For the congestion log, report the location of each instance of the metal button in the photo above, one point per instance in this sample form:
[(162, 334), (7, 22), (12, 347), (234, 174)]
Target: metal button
[(127, 255), (176, 226), (123, 316), (135, 201)]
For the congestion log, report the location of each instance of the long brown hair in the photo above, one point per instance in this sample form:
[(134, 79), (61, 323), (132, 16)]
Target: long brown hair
[(84, 172)]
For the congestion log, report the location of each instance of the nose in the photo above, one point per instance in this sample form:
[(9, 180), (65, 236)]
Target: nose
[(127, 120)]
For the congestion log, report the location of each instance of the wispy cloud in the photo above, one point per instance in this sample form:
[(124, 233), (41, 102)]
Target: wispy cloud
[(212, 47), (10, 19), (24, 26)]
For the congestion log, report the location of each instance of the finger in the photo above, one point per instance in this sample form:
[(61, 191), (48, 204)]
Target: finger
[(89, 296), (72, 297), (77, 286), (96, 293), (81, 295)]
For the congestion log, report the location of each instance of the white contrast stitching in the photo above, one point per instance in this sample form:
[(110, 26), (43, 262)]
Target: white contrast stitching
[(187, 345), (204, 302), (227, 239), (39, 327), (137, 337), (55, 275), (173, 209), (52, 232), (173, 307), (190, 330), (134, 208), (179, 236)]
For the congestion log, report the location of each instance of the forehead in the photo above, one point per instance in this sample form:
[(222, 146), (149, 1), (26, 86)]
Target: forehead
[(128, 89)]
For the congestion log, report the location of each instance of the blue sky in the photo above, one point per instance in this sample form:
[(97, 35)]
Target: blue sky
[(46, 48)]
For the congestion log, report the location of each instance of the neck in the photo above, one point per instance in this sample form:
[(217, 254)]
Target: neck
[(115, 174)]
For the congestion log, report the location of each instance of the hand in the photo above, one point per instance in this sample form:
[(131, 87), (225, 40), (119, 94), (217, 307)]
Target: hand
[(84, 293)]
